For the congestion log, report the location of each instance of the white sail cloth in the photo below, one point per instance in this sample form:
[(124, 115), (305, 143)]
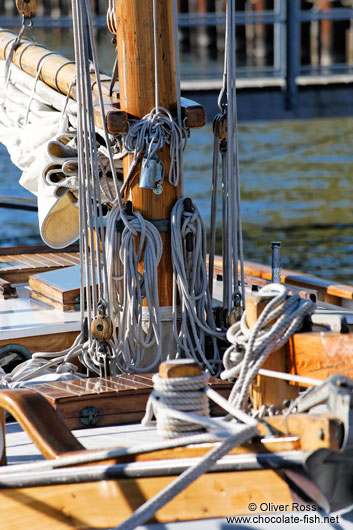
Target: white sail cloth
[(29, 119)]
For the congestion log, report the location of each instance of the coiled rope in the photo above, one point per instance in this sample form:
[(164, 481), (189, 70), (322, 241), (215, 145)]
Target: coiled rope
[(250, 347), (149, 135), (190, 288), (165, 402), (133, 340), (185, 394)]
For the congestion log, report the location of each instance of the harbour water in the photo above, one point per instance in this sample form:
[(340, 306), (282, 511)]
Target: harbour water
[(296, 187)]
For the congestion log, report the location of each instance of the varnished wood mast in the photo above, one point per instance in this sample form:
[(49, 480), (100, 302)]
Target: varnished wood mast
[(134, 22)]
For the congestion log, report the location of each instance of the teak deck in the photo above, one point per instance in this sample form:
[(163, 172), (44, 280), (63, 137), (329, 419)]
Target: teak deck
[(114, 400), (17, 264)]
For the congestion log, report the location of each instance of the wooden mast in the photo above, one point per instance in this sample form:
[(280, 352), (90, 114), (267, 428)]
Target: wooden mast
[(135, 48)]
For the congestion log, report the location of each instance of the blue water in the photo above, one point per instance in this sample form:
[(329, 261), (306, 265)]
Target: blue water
[(296, 185), (296, 180)]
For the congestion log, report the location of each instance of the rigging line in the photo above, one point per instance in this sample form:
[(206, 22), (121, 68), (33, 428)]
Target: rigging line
[(82, 212), (94, 173), (105, 130), (212, 245), (229, 239), (155, 51), (177, 80), (237, 177), (84, 172), (225, 221)]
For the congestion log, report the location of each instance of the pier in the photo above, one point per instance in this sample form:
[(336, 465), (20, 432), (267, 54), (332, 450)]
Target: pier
[(294, 57)]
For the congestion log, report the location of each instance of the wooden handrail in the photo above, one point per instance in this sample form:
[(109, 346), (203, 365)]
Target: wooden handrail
[(328, 291), (38, 418)]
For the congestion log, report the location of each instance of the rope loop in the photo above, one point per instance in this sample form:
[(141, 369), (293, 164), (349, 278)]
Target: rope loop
[(150, 134), (191, 288), (250, 347)]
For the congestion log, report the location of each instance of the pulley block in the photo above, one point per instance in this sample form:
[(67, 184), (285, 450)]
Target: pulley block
[(102, 328), (27, 8)]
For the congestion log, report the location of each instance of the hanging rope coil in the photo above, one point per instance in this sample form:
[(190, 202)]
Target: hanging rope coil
[(191, 289), (139, 327), (251, 347), (178, 394)]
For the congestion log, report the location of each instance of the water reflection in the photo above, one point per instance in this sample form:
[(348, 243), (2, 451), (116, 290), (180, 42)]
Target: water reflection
[(296, 185), (296, 188)]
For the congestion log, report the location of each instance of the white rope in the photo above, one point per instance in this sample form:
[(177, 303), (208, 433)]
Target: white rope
[(149, 135), (176, 394), (190, 289), (251, 347), (92, 252), (161, 400), (136, 333)]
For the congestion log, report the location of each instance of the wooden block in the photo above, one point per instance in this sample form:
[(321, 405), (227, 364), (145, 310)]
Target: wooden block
[(267, 390), (179, 368), (315, 430), (194, 113), (27, 8), (254, 306), (61, 285), (114, 400), (320, 354), (59, 306)]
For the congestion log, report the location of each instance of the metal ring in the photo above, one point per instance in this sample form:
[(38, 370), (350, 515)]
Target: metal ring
[(42, 61), (56, 75), (28, 45)]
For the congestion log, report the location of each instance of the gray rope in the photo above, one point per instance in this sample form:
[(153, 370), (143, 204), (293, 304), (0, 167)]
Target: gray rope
[(144, 512), (191, 289), (133, 340), (149, 135), (251, 347)]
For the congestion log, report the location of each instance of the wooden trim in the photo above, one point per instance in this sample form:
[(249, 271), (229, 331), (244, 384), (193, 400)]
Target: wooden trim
[(40, 421), (108, 503), (49, 343), (34, 249), (330, 292), (320, 354)]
